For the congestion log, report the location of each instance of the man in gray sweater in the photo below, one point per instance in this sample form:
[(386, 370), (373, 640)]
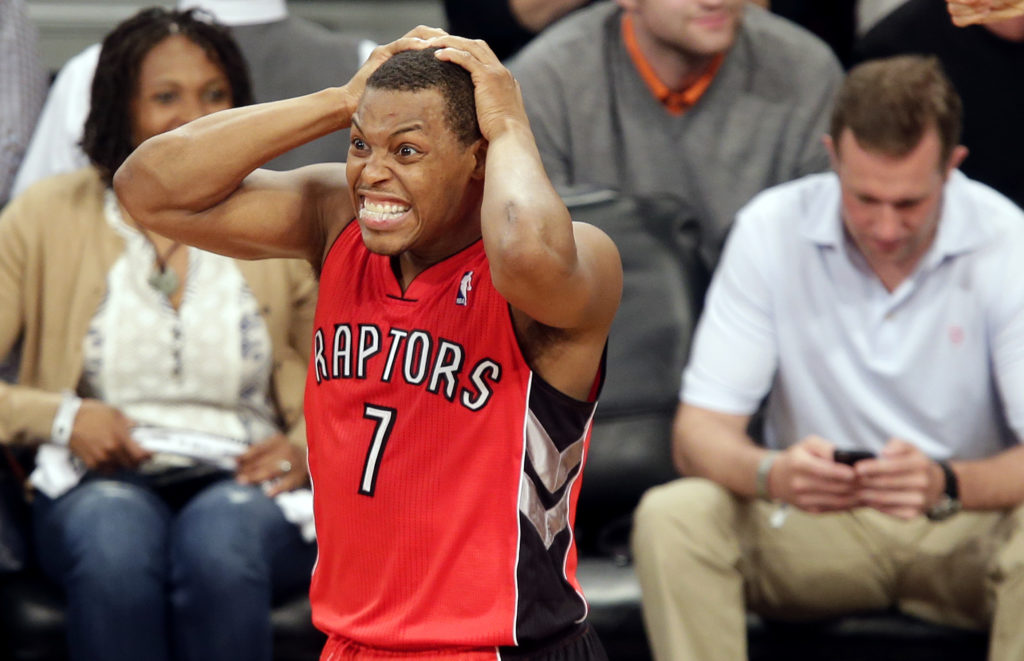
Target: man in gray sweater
[(710, 102)]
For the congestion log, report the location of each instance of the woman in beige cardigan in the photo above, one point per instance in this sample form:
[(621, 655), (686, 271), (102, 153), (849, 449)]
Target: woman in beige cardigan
[(162, 384)]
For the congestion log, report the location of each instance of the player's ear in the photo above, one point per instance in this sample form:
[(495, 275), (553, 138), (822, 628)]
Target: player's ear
[(480, 154)]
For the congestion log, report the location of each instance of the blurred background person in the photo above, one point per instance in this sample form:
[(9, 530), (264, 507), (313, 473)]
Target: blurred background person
[(163, 383), (22, 88), (984, 62), (507, 25), (969, 12), (870, 307), (287, 55), (710, 103)]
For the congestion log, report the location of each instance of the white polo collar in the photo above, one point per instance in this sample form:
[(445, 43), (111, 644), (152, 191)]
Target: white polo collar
[(958, 232)]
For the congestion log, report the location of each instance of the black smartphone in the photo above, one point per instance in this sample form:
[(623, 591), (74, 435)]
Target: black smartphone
[(850, 457)]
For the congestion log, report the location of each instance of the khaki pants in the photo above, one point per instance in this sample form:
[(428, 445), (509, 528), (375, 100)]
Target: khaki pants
[(703, 555)]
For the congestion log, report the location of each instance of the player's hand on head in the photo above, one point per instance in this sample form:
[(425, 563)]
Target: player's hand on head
[(419, 37), (499, 101), (102, 438)]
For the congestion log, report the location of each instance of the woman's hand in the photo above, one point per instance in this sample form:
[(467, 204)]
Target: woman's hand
[(277, 463), (418, 37), (102, 438)]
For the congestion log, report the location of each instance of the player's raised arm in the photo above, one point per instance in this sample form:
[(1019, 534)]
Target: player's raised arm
[(200, 183), (562, 274)]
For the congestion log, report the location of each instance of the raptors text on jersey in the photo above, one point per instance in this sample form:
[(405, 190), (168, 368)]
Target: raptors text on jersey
[(445, 472)]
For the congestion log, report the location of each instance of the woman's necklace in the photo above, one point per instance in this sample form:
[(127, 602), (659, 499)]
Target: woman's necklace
[(163, 279)]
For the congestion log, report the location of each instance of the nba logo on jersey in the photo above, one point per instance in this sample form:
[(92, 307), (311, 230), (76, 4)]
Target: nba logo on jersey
[(462, 298)]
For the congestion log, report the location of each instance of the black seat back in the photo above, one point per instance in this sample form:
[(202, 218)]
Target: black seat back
[(663, 285)]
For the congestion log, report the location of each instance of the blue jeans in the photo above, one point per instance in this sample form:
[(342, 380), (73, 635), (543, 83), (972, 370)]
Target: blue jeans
[(147, 581)]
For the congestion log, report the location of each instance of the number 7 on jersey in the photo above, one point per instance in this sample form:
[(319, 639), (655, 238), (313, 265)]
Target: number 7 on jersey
[(385, 422)]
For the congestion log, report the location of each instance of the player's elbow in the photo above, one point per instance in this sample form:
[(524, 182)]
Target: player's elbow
[(133, 184), (519, 259), (526, 275), (150, 183)]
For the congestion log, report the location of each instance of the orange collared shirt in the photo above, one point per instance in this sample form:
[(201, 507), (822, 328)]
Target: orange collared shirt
[(675, 102)]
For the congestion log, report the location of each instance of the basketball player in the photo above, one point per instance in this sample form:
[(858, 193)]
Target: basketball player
[(458, 348)]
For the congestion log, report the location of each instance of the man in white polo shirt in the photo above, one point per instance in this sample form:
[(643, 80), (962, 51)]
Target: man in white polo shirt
[(881, 309)]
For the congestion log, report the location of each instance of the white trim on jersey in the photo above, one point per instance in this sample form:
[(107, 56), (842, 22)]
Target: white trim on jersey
[(524, 425)]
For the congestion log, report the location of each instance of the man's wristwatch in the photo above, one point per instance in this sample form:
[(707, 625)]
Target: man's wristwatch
[(949, 503)]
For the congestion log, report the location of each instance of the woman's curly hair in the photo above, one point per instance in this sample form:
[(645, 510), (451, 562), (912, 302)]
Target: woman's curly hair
[(107, 139)]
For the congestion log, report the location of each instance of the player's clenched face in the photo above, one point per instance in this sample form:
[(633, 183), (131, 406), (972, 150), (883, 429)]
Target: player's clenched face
[(410, 177)]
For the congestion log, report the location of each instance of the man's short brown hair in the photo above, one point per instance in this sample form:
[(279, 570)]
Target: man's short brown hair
[(889, 103)]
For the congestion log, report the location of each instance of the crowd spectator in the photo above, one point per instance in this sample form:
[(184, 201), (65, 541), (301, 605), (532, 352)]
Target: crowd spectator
[(162, 385), (22, 89), (711, 104), (969, 12), (287, 56), (981, 60), (871, 306)]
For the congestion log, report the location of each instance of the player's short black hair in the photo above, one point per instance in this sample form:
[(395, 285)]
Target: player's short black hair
[(107, 138), (415, 70)]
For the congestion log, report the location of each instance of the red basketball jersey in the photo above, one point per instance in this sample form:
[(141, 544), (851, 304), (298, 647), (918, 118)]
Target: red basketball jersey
[(445, 472)]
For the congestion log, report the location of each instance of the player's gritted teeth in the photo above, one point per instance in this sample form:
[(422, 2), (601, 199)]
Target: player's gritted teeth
[(381, 214)]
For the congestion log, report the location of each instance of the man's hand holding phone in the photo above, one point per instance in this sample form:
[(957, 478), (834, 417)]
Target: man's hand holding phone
[(851, 457), (901, 482), (805, 477)]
